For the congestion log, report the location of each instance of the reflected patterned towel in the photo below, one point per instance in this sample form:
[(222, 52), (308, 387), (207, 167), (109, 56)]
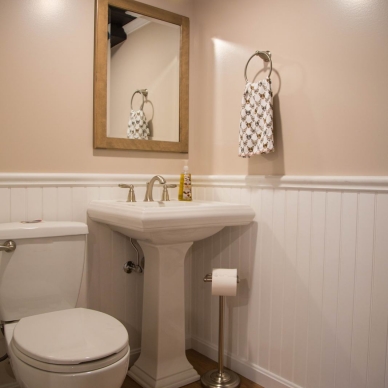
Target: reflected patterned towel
[(256, 122), (137, 125)]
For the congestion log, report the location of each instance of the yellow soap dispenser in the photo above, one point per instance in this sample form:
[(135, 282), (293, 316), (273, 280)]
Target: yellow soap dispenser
[(185, 185)]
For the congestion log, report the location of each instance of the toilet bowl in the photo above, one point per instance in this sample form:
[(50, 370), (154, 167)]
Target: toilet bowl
[(70, 348), (50, 343)]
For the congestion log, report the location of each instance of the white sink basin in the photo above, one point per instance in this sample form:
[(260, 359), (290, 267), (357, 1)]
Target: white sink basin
[(165, 232), (171, 221)]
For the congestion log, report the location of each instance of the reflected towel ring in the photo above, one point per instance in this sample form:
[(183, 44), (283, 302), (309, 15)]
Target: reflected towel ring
[(266, 56), (144, 94)]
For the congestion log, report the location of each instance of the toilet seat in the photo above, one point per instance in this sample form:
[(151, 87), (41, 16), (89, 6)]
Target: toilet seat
[(78, 368), (70, 341)]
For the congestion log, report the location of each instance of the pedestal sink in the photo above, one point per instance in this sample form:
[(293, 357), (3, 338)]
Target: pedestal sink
[(165, 231)]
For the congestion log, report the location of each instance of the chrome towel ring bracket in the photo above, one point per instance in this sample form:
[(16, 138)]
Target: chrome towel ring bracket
[(266, 56), (144, 94)]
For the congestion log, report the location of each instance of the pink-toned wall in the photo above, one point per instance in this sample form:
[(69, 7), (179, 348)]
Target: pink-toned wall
[(46, 91), (330, 83)]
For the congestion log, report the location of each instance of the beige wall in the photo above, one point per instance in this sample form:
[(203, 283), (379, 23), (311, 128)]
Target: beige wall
[(330, 111), (330, 77), (46, 91)]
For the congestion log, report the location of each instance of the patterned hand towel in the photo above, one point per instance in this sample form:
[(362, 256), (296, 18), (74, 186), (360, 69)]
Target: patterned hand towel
[(256, 123), (137, 125)]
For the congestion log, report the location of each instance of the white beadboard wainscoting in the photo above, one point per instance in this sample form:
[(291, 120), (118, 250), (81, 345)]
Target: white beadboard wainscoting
[(105, 287), (312, 304)]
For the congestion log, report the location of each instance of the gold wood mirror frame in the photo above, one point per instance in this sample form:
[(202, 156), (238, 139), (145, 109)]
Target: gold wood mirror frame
[(100, 138)]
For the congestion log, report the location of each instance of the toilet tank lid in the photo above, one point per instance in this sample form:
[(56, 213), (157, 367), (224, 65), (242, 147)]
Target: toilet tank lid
[(19, 230)]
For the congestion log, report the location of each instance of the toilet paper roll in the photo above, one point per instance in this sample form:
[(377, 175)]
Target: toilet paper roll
[(224, 282)]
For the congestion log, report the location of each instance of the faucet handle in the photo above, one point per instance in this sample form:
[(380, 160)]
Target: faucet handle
[(131, 194), (165, 196)]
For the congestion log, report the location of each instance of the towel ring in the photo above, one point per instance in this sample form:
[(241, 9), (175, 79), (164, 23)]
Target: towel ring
[(144, 94), (266, 56)]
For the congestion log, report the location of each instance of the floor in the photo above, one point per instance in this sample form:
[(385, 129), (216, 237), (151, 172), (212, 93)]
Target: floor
[(201, 364)]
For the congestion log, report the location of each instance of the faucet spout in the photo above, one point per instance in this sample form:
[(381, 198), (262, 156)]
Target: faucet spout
[(150, 187)]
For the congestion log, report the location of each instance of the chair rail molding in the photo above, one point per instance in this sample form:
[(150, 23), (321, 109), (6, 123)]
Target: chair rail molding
[(341, 183)]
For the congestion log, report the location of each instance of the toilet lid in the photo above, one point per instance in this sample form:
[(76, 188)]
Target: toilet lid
[(70, 337)]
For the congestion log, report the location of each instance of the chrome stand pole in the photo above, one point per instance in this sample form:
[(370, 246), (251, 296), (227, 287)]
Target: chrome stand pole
[(220, 378)]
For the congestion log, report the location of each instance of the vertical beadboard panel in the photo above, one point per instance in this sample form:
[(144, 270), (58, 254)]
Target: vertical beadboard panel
[(50, 203), (379, 305), (278, 254), (18, 204), (243, 291), (79, 202), (233, 303), (34, 203), (64, 204), (106, 192), (92, 193), (317, 252), (346, 289), (265, 276), (330, 288), (245, 275), (289, 301), (362, 289), (254, 284), (302, 286), (5, 205), (209, 194)]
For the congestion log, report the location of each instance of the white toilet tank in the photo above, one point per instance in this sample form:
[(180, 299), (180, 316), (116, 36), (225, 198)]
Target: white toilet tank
[(44, 272)]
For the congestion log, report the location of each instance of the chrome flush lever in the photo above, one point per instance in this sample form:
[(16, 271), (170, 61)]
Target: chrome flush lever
[(8, 246)]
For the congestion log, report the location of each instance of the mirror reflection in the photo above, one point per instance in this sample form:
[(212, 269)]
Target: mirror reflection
[(143, 77)]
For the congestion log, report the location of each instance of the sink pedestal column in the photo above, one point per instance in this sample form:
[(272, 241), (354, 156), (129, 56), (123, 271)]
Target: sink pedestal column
[(162, 362)]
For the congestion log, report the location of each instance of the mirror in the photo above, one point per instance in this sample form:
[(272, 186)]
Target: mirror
[(140, 77)]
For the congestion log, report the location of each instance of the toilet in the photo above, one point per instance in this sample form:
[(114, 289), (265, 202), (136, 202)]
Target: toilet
[(50, 343)]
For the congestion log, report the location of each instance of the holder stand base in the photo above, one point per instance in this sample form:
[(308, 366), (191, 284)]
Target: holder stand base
[(214, 379)]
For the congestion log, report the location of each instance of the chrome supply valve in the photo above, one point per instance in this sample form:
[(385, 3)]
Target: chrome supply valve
[(131, 194), (130, 266), (165, 196)]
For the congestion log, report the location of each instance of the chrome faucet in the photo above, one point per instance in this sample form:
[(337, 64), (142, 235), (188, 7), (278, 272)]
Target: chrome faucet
[(150, 186)]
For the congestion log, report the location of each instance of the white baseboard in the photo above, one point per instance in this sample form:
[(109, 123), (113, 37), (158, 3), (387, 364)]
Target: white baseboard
[(188, 343), (133, 356), (249, 370)]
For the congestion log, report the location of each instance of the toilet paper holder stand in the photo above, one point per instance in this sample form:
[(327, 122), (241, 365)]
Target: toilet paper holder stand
[(220, 378)]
